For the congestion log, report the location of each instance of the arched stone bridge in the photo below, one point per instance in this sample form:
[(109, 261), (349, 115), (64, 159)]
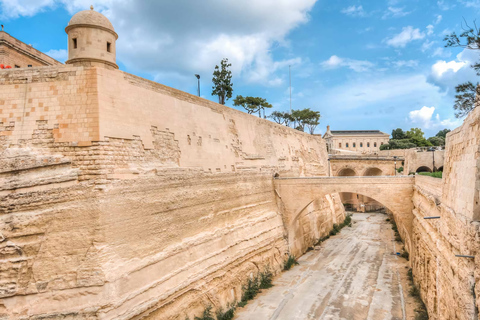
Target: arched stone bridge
[(394, 192)]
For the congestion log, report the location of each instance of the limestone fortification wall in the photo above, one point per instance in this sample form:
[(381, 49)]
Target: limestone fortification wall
[(124, 199), (450, 285)]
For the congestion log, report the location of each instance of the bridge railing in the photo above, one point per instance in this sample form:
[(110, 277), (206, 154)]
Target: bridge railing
[(346, 177)]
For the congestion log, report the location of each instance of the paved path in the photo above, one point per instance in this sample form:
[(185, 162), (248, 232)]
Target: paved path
[(353, 275)]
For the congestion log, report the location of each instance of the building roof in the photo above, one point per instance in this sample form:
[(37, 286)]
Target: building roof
[(90, 18), (357, 132)]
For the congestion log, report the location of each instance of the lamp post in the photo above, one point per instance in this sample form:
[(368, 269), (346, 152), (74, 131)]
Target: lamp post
[(198, 78)]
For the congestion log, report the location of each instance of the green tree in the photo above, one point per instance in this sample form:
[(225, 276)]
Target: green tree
[(465, 97), (306, 118), (415, 135), (281, 117), (437, 141), (251, 104), (443, 133), (398, 134), (222, 81)]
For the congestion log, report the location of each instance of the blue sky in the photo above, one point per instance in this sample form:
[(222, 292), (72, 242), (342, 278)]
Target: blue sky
[(362, 64)]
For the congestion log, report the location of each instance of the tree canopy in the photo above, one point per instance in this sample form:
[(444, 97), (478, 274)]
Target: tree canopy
[(222, 81), (251, 104), (300, 119), (414, 138), (466, 92)]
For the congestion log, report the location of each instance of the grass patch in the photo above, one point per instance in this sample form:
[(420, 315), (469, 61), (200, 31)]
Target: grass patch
[(421, 313), (250, 290), (405, 254), (437, 174), (414, 291), (207, 314), (336, 229), (290, 262)]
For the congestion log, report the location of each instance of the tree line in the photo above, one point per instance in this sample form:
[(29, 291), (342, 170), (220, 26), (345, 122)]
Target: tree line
[(414, 138), (223, 88)]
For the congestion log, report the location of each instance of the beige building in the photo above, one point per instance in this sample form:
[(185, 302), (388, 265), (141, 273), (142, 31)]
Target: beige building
[(17, 54), (363, 141)]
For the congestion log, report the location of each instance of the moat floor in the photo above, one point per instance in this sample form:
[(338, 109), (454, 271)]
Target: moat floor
[(353, 275)]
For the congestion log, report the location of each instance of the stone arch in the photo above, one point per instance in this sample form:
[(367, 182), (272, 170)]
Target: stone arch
[(346, 172), (373, 171), (423, 169), (440, 169)]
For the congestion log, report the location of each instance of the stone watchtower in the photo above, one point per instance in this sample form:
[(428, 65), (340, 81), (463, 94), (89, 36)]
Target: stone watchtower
[(91, 40)]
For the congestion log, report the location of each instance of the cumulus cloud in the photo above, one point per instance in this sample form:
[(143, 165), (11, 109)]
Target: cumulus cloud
[(445, 5), (407, 35), (424, 117), (335, 62), (172, 40), (448, 74), (430, 29), (354, 11), (438, 19)]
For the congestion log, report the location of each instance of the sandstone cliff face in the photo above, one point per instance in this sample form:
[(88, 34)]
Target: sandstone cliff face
[(153, 224)]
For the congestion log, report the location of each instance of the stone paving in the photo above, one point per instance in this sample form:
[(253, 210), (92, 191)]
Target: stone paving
[(353, 275)]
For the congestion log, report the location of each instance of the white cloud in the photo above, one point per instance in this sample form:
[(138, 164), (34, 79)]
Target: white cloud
[(405, 63), (407, 35), (470, 3), (335, 62), (445, 5), (430, 29), (448, 74), (441, 52), (26, 8), (172, 41), (424, 118), (438, 19), (439, 68), (427, 45), (354, 11), (60, 55), (395, 12)]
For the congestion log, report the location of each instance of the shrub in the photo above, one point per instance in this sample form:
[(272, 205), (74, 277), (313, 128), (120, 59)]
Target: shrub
[(414, 291), (290, 262), (266, 278), (410, 275), (249, 291), (387, 220), (227, 315), (398, 238), (400, 170), (405, 254), (207, 314)]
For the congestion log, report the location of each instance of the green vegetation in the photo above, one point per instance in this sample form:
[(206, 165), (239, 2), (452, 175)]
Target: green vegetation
[(405, 254), (336, 229), (266, 278), (222, 81), (298, 119), (400, 170), (207, 314), (395, 229), (290, 262), (252, 104), (249, 291), (228, 314), (413, 138), (437, 174)]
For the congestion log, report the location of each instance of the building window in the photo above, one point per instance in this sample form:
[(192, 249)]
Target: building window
[(346, 144), (17, 66), (74, 43), (340, 145), (375, 144), (354, 145), (368, 144), (29, 65), (108, 46), (361, 144)]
